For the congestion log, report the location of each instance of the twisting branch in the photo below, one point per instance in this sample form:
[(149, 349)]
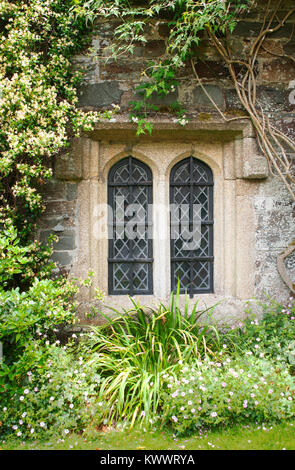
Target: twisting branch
[(273, 143)]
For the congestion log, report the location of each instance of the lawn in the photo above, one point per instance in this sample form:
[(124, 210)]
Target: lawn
[(275, 437)]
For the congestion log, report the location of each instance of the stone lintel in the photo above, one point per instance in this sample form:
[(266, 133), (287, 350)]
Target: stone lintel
[(122, 131)]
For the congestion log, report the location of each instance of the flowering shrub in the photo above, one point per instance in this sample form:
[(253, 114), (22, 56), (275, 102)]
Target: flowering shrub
[(273, 335), (38, 114), (19, 264), (232, 391), (38, 99), (25, 317), (58, 397)]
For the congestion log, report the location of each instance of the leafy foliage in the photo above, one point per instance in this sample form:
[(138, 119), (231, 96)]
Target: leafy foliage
[(134, 350), (231, 391), (25, 317), (189, 20), (56, 397), (19, 264), (38, 113), (271, 336)]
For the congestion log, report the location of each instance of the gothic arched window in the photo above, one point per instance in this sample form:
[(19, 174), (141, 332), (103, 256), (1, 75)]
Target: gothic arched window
[(191, 195), (130, 244)]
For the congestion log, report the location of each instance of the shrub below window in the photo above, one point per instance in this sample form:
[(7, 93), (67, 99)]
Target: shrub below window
[(58, 397), (273, 335), (239, 390)]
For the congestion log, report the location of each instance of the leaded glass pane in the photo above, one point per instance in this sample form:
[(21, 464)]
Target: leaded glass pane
[(130, 250), (191, 193)]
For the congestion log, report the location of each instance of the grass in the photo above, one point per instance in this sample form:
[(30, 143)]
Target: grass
[(275, 437)]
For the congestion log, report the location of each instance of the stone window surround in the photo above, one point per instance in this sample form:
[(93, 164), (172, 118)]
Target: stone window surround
[(230, 151)]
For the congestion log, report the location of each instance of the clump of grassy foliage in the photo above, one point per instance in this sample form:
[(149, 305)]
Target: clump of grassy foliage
[(134, 350)]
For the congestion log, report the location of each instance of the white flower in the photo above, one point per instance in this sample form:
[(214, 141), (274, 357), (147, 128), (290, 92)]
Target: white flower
[(66, 431), (213, 414), (174, 419), (32, 431), (193, 410), (4, 409), (26, 391), (51, 398), (21, 398), (71, 405), (42, 424), (24, 414), (19, 433)]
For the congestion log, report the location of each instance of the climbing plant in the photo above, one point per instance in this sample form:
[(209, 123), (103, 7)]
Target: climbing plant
[(190, 22), (38, 115)]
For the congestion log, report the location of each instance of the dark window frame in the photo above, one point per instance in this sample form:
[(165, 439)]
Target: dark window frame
[(209, 222), (130, 260)]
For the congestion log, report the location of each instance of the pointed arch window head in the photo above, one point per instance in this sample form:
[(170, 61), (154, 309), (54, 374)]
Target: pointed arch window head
[(130, 245), (191, 227)]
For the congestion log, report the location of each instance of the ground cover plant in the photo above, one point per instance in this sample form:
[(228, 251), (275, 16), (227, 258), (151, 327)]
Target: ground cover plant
[(141, 370)]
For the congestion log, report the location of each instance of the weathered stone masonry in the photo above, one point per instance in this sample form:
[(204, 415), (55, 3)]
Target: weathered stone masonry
[(254, 216)]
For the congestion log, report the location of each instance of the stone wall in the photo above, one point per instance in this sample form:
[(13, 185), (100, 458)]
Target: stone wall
[(111, 82)]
